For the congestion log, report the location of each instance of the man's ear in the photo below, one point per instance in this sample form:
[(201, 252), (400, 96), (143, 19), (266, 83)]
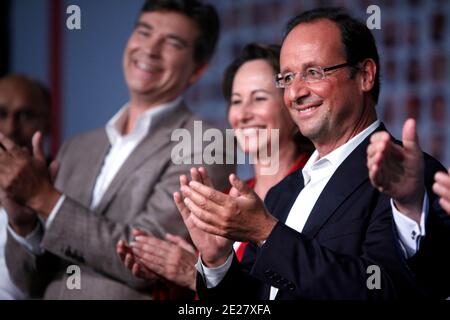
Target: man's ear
[(368, 71), (198, 72)]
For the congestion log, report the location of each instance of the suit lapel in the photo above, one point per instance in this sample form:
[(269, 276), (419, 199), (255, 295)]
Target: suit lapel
[(94, 162), (286, 199), (347, 178), (157, 138)]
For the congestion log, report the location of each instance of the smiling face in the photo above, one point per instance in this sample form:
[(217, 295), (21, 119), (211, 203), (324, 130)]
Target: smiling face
[(256, 104), (159, 57), (333, 110)]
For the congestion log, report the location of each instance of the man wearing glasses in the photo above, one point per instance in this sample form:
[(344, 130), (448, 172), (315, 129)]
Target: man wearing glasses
[(324, 232)]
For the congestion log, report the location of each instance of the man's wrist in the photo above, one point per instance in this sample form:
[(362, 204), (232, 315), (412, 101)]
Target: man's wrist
[(44, 202), (413, 209), (265, 230), (215, 262)]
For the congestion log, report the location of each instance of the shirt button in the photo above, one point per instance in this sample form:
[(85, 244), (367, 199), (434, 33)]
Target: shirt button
[(413, 235)]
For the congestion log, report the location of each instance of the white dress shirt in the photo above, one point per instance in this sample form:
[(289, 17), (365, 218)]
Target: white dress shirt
[(121, 148), (316, 174), (8, 290)]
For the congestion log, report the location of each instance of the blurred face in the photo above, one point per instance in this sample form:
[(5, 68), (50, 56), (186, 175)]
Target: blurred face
[(158, 60), (329, 111), (22, 110), (257, 104)]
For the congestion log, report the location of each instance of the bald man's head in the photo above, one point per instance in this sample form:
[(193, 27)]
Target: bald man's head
[(24, 108)]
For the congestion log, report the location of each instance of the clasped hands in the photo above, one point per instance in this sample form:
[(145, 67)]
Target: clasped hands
[(216, 219), (26, 187)]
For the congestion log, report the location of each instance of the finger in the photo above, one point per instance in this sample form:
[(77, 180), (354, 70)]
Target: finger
[(385, 152), (129, 260), (184, 211), (442, 179), (137, 232), (205, 203), (196, 176), (375, 159), (184, 180), (145, 273), (205, 177), (208, 192), (441, 190), (392, 163), (234, 192), (150, 259), (240, 185), (122, 249), (179, 241), (385, 164), (379, 145), (53, 169), (206, 227), (377, 175), (409, 135), (152, 244), (136, 269), (7, 143), (153, 264), (203, 215), (38, 148), (379, 137)]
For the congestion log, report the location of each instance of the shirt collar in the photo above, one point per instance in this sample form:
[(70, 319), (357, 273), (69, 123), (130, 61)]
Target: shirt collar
[(143, 123), (337, 156)]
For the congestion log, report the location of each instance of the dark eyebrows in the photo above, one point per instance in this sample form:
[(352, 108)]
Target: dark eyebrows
[(310, 64), (304, 66), (260, 91), (177, 38), (144, 25), (172, 36)]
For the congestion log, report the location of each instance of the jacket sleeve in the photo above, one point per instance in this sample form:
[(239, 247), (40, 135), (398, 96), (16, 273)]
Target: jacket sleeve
[(430, 264)]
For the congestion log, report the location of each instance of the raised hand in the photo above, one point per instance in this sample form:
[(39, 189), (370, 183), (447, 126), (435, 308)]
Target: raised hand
[(22, 218), (24, 177), (240, 215), (441, 187), (213, 249), (397, 170)]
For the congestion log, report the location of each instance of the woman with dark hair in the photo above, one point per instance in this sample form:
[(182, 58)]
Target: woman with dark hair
[(256, 111)]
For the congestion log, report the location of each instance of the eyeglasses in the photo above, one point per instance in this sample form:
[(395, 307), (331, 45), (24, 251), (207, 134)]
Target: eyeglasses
[(311, 74)]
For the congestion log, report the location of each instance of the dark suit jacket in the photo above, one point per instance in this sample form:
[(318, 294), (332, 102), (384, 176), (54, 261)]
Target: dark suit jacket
[(349, 229), (431, 264), (139, 196)]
